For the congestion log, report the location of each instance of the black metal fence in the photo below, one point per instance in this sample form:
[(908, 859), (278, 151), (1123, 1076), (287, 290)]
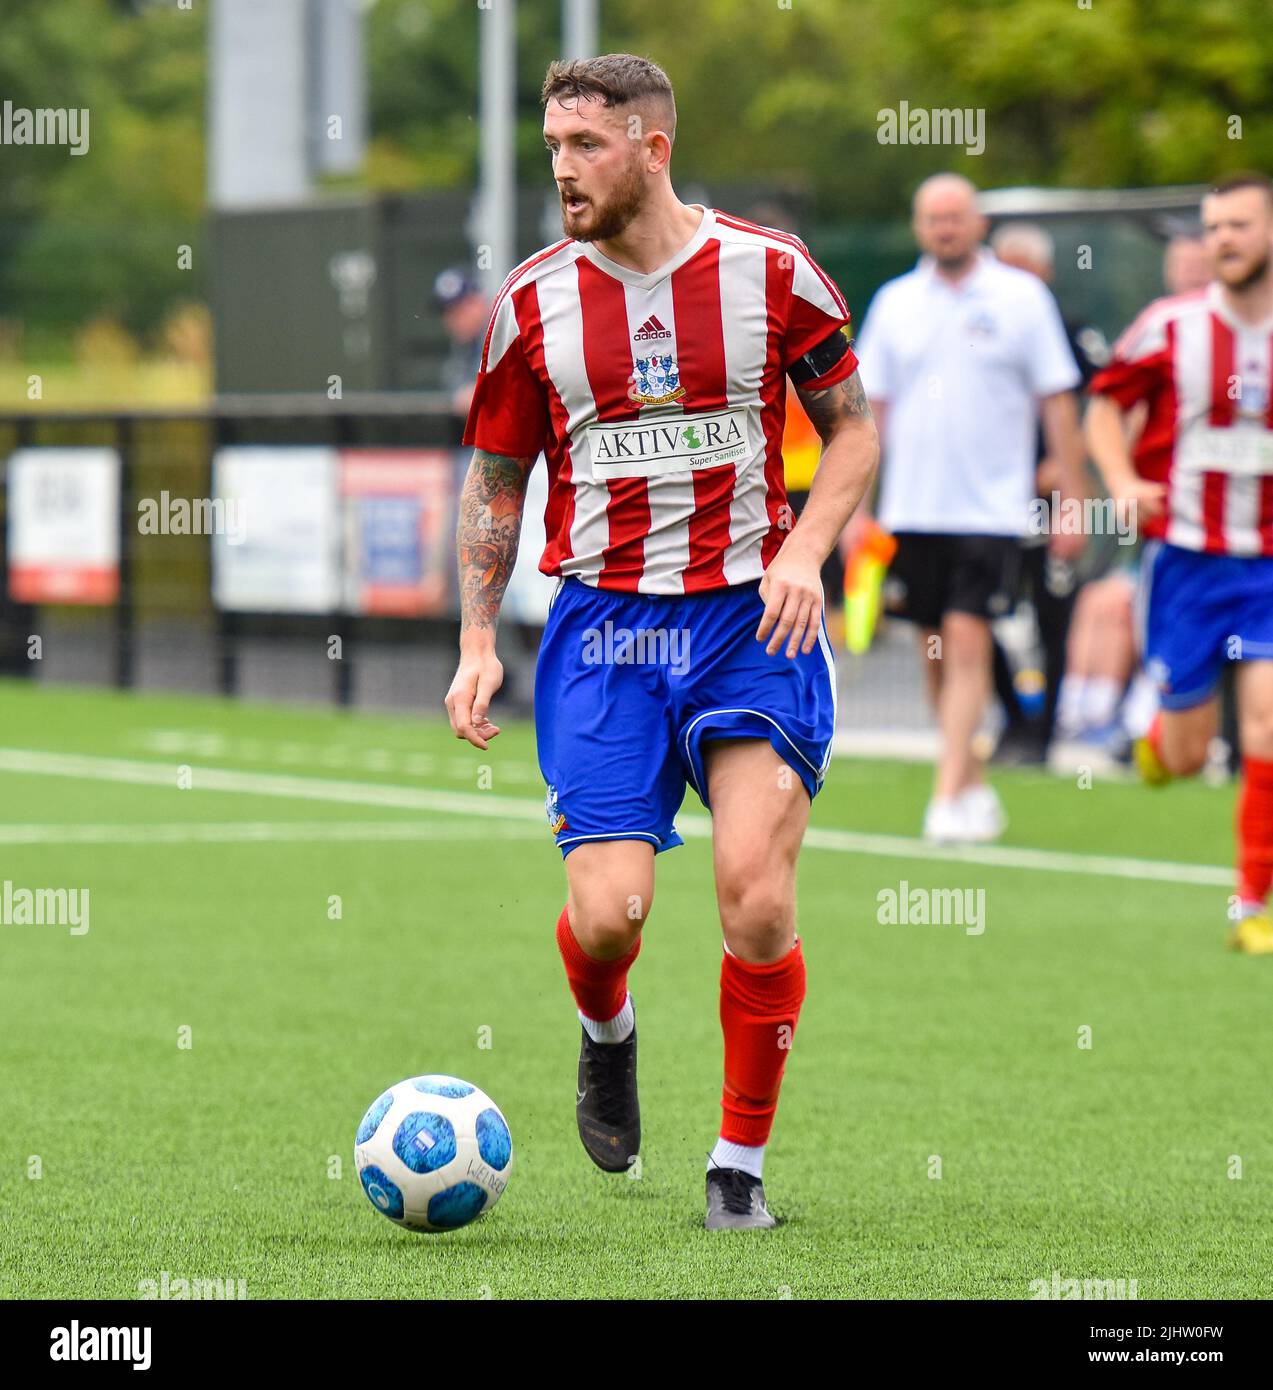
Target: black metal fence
[(163, 630)]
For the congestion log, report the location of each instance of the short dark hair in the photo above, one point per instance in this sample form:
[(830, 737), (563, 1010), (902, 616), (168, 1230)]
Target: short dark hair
[(1244, 178), (615, 79)]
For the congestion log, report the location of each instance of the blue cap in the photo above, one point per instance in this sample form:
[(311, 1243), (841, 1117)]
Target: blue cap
[(454, 284)]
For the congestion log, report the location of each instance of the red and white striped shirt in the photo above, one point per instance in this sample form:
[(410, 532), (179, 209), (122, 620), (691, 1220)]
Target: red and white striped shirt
[(1207, 378), (658, 401)]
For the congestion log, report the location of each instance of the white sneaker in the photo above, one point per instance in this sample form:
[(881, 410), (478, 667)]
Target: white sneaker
[(945, 822), (983, 814)]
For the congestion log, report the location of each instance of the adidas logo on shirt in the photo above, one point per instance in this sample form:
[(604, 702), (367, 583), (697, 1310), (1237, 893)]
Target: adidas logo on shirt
[(651, 328)]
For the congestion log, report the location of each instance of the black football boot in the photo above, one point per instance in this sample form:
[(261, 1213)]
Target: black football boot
[(736, 1202), (606, 1104)]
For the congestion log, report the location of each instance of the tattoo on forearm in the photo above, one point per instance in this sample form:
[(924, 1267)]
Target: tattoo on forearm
[(845, 400), (486, 538)]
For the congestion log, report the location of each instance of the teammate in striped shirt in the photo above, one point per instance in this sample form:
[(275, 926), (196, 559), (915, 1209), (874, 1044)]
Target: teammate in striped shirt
[(646, 356), (1201, 478)]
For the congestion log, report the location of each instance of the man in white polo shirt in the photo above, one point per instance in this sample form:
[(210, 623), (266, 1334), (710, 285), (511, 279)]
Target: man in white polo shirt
[(962, 358)]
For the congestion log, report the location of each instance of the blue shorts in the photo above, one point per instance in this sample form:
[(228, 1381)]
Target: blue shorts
[(630, 686), (1197, 611)]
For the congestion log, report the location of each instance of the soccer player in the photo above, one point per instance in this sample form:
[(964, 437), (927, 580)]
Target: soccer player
[(1201, 479), (646, 356)]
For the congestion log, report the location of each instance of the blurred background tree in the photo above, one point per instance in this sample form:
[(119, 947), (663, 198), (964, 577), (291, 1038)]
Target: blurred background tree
[(96, 236), (1124, 93)]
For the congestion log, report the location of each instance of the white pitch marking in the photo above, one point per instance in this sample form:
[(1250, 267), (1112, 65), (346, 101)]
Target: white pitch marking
[(235, 832), (204, 744), (489, 806)]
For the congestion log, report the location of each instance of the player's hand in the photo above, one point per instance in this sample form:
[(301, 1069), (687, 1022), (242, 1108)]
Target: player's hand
[(1134, 496), (792, 591), (479, 675), (1048, 477)]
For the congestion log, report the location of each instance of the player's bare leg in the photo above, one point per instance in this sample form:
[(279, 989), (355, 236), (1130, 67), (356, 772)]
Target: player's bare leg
[(1101, 655), (965, 690), (1183, 737), (759, 813), (1255, 708), (930, 664), (1253, 930), (963, 806), (611, 889)]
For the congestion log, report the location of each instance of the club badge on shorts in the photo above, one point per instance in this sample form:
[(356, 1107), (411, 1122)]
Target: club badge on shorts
[(556, 817)]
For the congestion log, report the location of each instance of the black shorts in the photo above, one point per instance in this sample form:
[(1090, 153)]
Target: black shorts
[(934, 573)]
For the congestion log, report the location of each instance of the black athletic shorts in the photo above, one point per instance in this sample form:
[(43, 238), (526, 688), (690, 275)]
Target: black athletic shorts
[(934, 573)]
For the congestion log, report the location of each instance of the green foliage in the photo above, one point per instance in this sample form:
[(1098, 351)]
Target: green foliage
[(85, 235), (1124, 92)]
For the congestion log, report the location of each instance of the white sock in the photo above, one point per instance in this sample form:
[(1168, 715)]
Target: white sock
[(749, 1157), (613, 1030), (1100, 700), (1140, 706), (1069, 711)]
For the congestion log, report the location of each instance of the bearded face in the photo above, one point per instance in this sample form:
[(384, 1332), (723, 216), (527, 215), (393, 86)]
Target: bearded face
[(600, 213), (1237, 229)]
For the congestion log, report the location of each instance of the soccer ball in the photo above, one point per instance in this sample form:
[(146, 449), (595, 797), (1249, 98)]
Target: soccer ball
[(433, 1153)]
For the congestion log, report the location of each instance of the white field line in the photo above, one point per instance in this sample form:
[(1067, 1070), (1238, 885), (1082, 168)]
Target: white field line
[(488, 806), (253, 832)]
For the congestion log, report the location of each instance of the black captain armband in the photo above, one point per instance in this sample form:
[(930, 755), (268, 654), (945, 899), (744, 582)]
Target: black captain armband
[(820, 358)]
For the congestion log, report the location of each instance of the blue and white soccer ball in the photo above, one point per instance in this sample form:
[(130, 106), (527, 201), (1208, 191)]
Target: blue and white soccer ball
[(433, 1153)]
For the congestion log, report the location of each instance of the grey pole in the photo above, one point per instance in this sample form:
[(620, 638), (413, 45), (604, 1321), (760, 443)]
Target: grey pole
[(497, 196), (579, 28)]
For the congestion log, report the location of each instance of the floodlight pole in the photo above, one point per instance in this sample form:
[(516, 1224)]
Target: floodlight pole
[(497, 195), (578, 28)]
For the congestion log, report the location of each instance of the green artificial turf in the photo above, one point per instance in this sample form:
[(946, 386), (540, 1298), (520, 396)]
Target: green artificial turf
[(216, 1160)]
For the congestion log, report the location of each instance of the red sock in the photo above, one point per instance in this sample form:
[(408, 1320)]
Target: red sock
[(1255, 830), (759, 1008), (599, 986)]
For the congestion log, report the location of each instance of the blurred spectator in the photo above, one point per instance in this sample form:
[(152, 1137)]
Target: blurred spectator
[(1185, 264), (464, 312), (1051, 581), (961, 357)]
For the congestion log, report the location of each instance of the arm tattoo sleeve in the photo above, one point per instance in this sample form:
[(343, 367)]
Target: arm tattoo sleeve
[(846, 400), (486, 538)]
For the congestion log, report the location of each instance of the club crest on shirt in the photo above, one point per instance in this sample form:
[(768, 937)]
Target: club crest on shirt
[(656, 380), (1252, 394)]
